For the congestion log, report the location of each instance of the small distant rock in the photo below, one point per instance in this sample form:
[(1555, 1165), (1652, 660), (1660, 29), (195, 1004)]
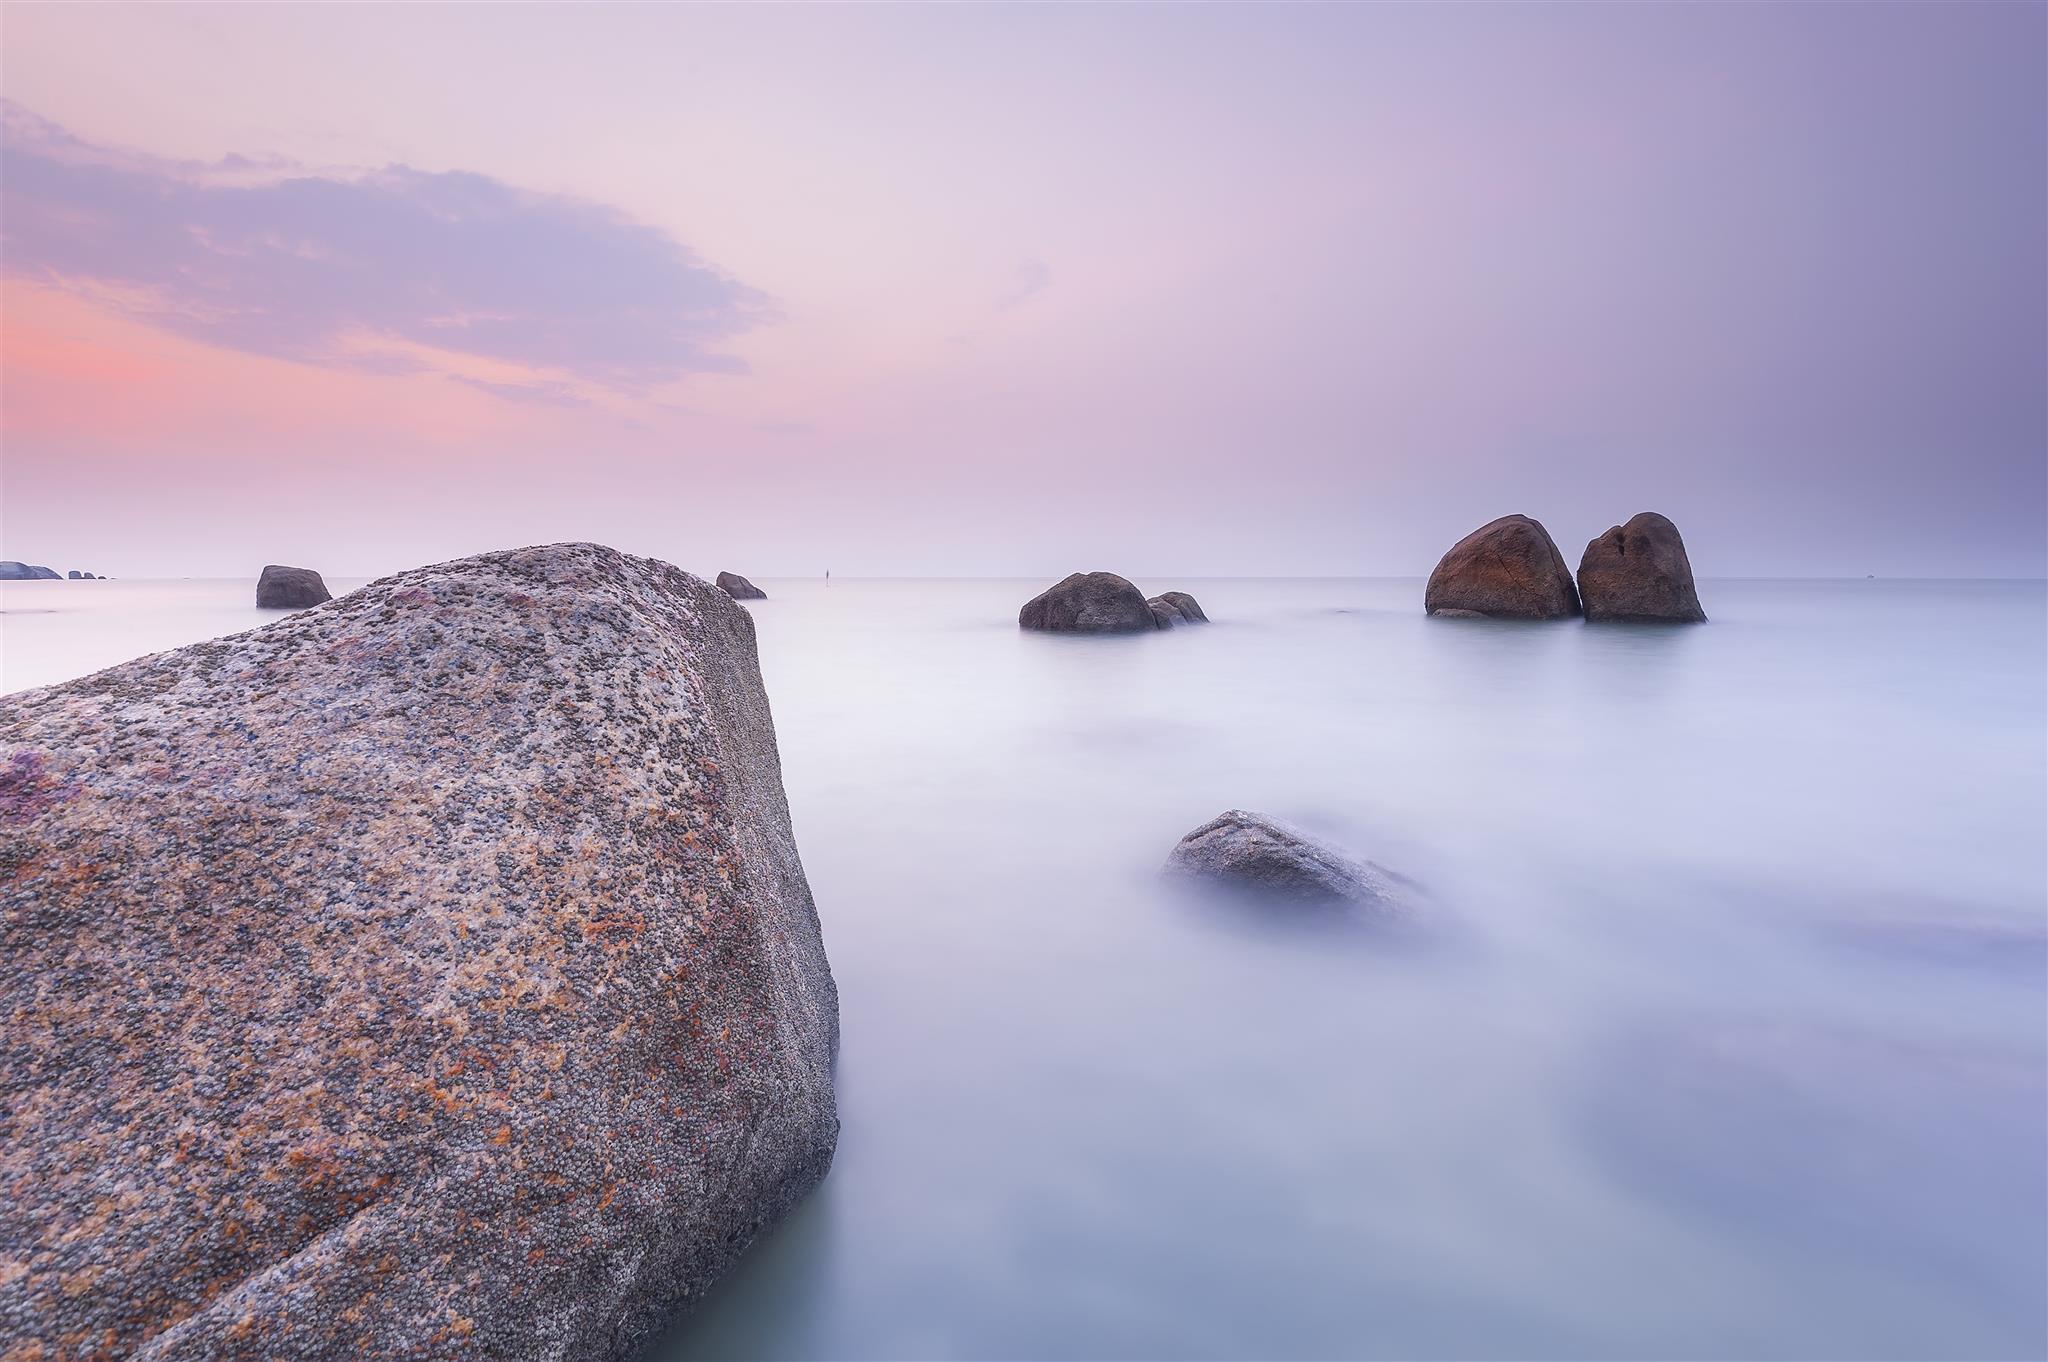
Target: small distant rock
[(1507, 569), (739, 588), (1640, 572), (1176, 607), (290, 588), (1250, 852), (1089, 603)]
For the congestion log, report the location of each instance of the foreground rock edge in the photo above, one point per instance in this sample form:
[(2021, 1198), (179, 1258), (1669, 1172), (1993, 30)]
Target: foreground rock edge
[(434, 971)]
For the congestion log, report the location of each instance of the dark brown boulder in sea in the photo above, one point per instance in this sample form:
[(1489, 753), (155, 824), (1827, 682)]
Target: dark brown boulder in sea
[(1089, 603), (290, 588), (739, 588), (1506, 569), (1176, 607), (1639, 571), (1249, 852), (429, 975)]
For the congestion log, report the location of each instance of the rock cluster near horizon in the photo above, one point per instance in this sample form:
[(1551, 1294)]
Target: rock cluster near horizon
[(1506, 569), (739, 588), (11, 571), (431, 974), (1639, 572), (1104, 603), (290, 588), (1250, 853)]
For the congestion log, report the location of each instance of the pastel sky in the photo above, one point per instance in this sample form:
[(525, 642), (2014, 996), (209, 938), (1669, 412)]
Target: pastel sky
[(1023, 290)]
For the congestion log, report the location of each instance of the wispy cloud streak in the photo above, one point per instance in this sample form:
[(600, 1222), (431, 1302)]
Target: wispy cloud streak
[(324, 267)]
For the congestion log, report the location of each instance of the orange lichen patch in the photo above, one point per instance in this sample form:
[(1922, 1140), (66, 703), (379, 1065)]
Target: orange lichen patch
[(458, 1327), (502, 1135)]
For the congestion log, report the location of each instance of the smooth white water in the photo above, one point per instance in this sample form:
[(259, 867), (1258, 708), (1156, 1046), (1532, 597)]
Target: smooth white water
[(1734, 1041)]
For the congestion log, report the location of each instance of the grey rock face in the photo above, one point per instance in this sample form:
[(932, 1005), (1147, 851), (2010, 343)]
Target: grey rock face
[(1250, 852), (430, 975), (290, 588), (1176, 607), (1089, 603), (1640, 572), (1506, 569), (739, 588), (11, 571)]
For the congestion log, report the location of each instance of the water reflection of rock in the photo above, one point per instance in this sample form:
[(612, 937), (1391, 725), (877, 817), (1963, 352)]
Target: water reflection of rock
[(1919, 1161)]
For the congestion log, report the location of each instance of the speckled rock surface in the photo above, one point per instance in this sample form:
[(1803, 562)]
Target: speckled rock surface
[(429, 975), (290, 588), (1184, 608), (1640, 572), (1088, 603), (1506, 569), (739, 588), (1247, 852)]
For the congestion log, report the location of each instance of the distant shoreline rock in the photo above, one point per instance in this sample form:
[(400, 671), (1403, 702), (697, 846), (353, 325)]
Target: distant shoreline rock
[(290, 588), (1247, 852), (429, 975), (11, 571), (1506, 569), (1104, 603), (739, 588), (1639, 572)]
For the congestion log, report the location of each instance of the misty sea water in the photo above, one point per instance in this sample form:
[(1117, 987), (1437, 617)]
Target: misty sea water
[(1732, 1041)]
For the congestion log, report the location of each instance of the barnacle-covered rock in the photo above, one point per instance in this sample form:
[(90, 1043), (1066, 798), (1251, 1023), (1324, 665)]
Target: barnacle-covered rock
[(432, 974)]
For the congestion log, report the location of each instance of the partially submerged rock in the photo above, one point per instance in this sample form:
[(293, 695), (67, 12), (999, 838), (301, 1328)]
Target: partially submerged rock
[(290, 588), (1089, 603), (1639, 571), (1250, 853), (739, 588), (428, 975), (1176, 607), (1104, 603), (11, 571), (1506, 569)]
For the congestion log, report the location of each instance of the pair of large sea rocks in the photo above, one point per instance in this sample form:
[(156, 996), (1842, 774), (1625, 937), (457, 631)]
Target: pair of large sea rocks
[(429, 974), (1511, 569), (1104, 603)]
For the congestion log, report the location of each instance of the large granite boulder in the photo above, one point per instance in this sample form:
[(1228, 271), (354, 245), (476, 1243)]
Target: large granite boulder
[(11, 571), (1249, 853), (1639, 571), (1089, 603), (431, 975), (739, 588), (1506, 569), (1170, 608), (290, 588)]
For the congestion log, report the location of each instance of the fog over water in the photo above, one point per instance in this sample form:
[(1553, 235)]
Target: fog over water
[(1729, 1041)]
